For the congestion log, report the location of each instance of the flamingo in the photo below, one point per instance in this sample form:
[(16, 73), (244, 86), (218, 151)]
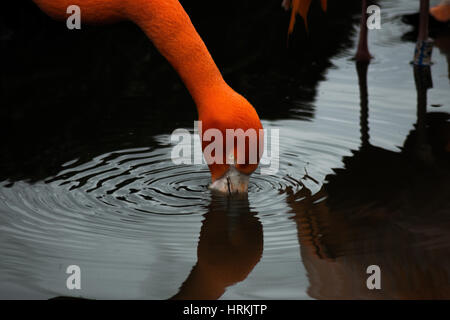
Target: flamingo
[(169, 27)]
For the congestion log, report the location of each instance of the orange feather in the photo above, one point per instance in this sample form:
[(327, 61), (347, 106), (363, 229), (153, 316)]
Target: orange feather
[(168, 26)]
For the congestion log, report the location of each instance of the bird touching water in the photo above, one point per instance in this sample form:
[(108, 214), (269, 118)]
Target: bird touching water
[(219, 107)]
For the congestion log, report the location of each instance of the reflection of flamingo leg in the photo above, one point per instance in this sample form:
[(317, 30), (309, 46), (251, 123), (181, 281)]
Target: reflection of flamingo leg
[(361, 68), (423, 80)]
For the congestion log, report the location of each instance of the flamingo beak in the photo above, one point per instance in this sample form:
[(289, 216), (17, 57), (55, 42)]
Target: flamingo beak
[(233, 181)]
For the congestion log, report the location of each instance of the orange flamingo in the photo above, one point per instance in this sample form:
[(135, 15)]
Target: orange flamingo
[(168, 26)]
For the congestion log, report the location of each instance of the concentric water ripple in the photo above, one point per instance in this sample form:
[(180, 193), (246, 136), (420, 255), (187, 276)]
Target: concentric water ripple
[(128, 207), (131, 207)]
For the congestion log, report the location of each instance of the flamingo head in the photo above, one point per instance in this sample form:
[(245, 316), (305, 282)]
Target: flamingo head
[(232, 140)]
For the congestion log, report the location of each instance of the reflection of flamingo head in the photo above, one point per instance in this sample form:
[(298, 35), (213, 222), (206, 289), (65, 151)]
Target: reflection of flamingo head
[(230, 245), (231, 139)]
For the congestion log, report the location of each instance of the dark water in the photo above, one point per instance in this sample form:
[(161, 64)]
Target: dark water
[(86, 176)]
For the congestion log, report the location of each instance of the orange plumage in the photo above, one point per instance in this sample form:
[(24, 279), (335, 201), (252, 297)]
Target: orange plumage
[(168, 26)]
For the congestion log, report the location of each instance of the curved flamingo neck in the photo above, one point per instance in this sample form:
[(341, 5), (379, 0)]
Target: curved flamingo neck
[(167, 24)]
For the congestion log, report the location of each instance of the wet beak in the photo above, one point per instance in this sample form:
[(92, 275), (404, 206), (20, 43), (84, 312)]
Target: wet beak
[(233, 181)]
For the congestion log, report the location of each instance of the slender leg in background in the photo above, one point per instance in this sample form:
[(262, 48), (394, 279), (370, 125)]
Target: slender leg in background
[(363, 54), (424, 45), (424, 19)]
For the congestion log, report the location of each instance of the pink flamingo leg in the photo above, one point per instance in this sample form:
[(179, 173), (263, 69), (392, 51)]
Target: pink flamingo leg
[(363, 54)]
